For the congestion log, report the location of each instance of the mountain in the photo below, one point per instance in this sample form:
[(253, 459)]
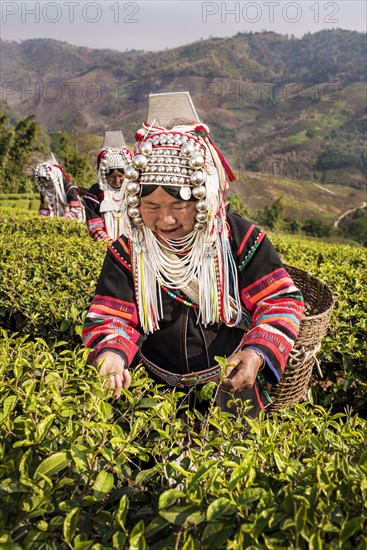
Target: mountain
[(289, 107)]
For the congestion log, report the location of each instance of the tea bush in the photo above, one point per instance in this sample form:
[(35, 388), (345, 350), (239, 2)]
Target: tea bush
[(49, 272), (48, 275), (344, 350), (30, 201), (79, 470)]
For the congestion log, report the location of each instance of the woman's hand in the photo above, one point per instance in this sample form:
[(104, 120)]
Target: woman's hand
[(242, 370), (113, 365)]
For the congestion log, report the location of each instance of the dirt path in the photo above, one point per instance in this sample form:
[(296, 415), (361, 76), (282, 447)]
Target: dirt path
[(323, 188), (363, 205)]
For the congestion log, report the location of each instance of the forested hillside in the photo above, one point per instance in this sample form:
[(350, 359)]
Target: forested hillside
[(276, 104), (81, 470)]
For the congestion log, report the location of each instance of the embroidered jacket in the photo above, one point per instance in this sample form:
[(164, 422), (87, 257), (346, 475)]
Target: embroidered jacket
[(75, 211), (95, 223), (272, 304)]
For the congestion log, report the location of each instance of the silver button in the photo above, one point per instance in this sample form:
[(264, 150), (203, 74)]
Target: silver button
[(172, 380)]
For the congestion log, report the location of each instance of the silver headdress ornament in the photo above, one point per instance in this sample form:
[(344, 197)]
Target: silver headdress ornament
[(46, 170), (114, 154), (171, 109), (180, 154), (55, 192)]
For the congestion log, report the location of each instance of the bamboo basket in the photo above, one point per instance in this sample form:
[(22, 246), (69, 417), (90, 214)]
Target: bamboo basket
[(319, 302)]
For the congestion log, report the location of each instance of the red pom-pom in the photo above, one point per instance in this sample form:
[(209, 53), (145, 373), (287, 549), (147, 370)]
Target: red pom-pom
[(101, 155), (127, 153), (139, 136), (201, 130)]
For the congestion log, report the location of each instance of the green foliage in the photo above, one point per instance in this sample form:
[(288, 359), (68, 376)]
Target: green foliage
[(80, 470), (23, 201), (48, 278), (336, 157), (271, 216), (292, 226), (77, 166), (16, 147), (355, 225), (316, 228), (238, 206)]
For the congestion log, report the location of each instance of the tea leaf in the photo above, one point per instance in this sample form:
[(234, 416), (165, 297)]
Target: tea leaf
[(121, 512), (220, 507), (207, 391), (239, 473), (185, 515), (216, 533), (156, 525), (118, 540), (52, 465), (169, 497), (350, 527), (70, 524), (315, 542), (202, 471), (137, 538), (103, 484)]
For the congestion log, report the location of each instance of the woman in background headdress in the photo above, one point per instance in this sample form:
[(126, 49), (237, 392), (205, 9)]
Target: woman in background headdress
[(59, 196), (177, 287), (104, 199)]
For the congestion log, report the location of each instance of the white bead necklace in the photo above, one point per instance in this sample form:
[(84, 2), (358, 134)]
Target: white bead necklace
[(172, 270)]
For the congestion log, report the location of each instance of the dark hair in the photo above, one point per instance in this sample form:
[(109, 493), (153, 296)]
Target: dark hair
[(172, 190), (120, 170)]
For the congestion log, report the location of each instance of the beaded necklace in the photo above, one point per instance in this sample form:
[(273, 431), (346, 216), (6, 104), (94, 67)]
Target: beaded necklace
[(114, 216), (186, 301), (167, 266), (178, 246), (252, 250)]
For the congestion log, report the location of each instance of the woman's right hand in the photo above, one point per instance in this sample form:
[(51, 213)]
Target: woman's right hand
[(113, 365)]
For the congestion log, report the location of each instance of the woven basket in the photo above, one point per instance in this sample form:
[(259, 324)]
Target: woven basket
[(319, 302)]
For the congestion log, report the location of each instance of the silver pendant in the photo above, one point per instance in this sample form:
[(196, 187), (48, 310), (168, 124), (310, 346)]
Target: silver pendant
[(185, 193), (172, 380)]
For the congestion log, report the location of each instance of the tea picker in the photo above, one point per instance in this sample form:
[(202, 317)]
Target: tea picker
[(104, 203), (185, 278), (59, 196)]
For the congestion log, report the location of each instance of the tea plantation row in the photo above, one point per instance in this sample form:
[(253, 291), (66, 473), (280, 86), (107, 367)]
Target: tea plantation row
[(50, 268), (81, 471)]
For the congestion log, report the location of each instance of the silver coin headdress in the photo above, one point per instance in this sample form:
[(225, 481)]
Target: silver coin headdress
[(55, 194), (177, 154), (175, 149), (114, 154), (50, 170)]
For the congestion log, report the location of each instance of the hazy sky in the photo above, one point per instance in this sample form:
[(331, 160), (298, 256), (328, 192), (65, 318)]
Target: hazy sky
[(151, 25)]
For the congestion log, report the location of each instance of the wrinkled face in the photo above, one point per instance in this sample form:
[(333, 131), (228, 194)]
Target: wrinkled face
[(115, 178), (167, 216)]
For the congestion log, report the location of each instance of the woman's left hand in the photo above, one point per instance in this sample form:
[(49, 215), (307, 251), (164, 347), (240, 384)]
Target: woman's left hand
[(242, 371)]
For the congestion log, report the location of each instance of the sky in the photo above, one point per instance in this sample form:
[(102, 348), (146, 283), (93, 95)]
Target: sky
[(156, 25)]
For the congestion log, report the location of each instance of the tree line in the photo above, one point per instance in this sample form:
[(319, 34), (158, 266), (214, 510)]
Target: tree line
[(26, 144), (20, 145)]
